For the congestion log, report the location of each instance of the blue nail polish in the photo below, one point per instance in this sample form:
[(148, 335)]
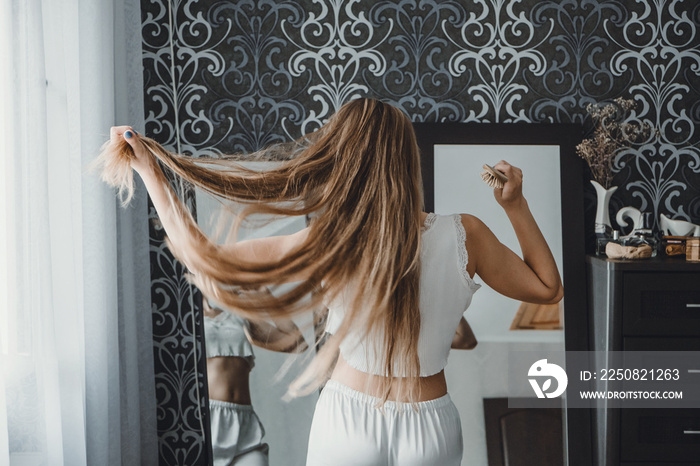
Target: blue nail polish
[(128, 134)]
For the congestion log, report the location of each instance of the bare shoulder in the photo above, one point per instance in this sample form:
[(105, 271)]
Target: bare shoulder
[(470, 221), (474, 228)]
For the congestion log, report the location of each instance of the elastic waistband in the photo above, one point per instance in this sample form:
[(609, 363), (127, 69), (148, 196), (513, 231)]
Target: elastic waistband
[(436, 403), (226, 404)]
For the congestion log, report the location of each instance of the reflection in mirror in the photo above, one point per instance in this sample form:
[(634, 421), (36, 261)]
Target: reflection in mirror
[(482, 374), (236, 431), (250, 424), (460, 190)]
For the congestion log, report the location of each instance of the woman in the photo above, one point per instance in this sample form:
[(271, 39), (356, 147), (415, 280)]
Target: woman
[(396, 279), (236, 430)]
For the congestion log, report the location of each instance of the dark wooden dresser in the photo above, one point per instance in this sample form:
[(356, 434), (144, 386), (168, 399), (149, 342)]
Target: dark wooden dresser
[(645, 305)]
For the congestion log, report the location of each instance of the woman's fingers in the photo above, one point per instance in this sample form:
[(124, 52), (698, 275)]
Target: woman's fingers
[(513, 173), (142, 159), (511, 192), (508, 169), (117, 131), (131, 137), (127, 132)]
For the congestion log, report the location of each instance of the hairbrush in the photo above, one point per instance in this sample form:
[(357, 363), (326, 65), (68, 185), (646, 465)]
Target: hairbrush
[(493, 177)]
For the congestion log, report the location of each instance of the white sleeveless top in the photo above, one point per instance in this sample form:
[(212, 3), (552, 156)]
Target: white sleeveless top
[(445, 293), (224, 336)]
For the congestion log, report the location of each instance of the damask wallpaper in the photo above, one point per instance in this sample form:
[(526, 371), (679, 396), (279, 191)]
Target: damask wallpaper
[(223, 77)]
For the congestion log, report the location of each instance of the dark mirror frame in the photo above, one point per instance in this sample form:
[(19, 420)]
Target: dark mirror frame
[(576, 422)]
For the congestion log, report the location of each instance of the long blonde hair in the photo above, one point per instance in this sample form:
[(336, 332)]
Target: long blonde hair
[(360, 176)]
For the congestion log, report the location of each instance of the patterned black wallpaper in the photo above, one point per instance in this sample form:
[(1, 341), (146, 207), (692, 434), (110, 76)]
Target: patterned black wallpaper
[(248, 73)]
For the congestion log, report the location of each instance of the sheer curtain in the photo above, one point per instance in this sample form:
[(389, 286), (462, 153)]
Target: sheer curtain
[(76, 369)]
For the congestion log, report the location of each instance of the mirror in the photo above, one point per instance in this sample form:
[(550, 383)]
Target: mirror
[(452, 158), (452, 155)]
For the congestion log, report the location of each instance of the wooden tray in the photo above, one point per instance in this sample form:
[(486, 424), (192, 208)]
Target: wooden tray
[(537, 317)]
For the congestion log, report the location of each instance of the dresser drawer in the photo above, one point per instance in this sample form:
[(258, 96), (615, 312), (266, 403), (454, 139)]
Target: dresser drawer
[(661, 304), (660, 435), (660, 344), (656, 435)]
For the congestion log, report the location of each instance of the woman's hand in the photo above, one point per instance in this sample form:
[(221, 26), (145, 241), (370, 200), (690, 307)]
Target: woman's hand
[(511, 194), (464, 336), (143, 160)]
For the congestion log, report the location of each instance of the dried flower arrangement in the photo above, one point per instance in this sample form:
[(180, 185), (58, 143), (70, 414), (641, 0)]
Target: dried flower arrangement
[(611, 133)]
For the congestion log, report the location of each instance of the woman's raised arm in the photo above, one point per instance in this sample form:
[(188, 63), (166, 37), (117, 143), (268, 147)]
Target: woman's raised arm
[(534, 278)]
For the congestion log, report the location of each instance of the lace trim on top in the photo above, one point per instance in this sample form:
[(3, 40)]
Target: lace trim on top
[(429, 221), (462, 251)]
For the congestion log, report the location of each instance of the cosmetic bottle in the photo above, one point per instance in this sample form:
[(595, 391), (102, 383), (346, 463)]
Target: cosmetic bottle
[(644, 235), (601, 242), (692, 249)]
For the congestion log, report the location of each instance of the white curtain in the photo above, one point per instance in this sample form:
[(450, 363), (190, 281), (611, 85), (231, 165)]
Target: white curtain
[(76, 369)]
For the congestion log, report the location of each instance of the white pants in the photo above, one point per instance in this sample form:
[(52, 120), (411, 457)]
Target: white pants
[(236, 433), (347, 429)]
